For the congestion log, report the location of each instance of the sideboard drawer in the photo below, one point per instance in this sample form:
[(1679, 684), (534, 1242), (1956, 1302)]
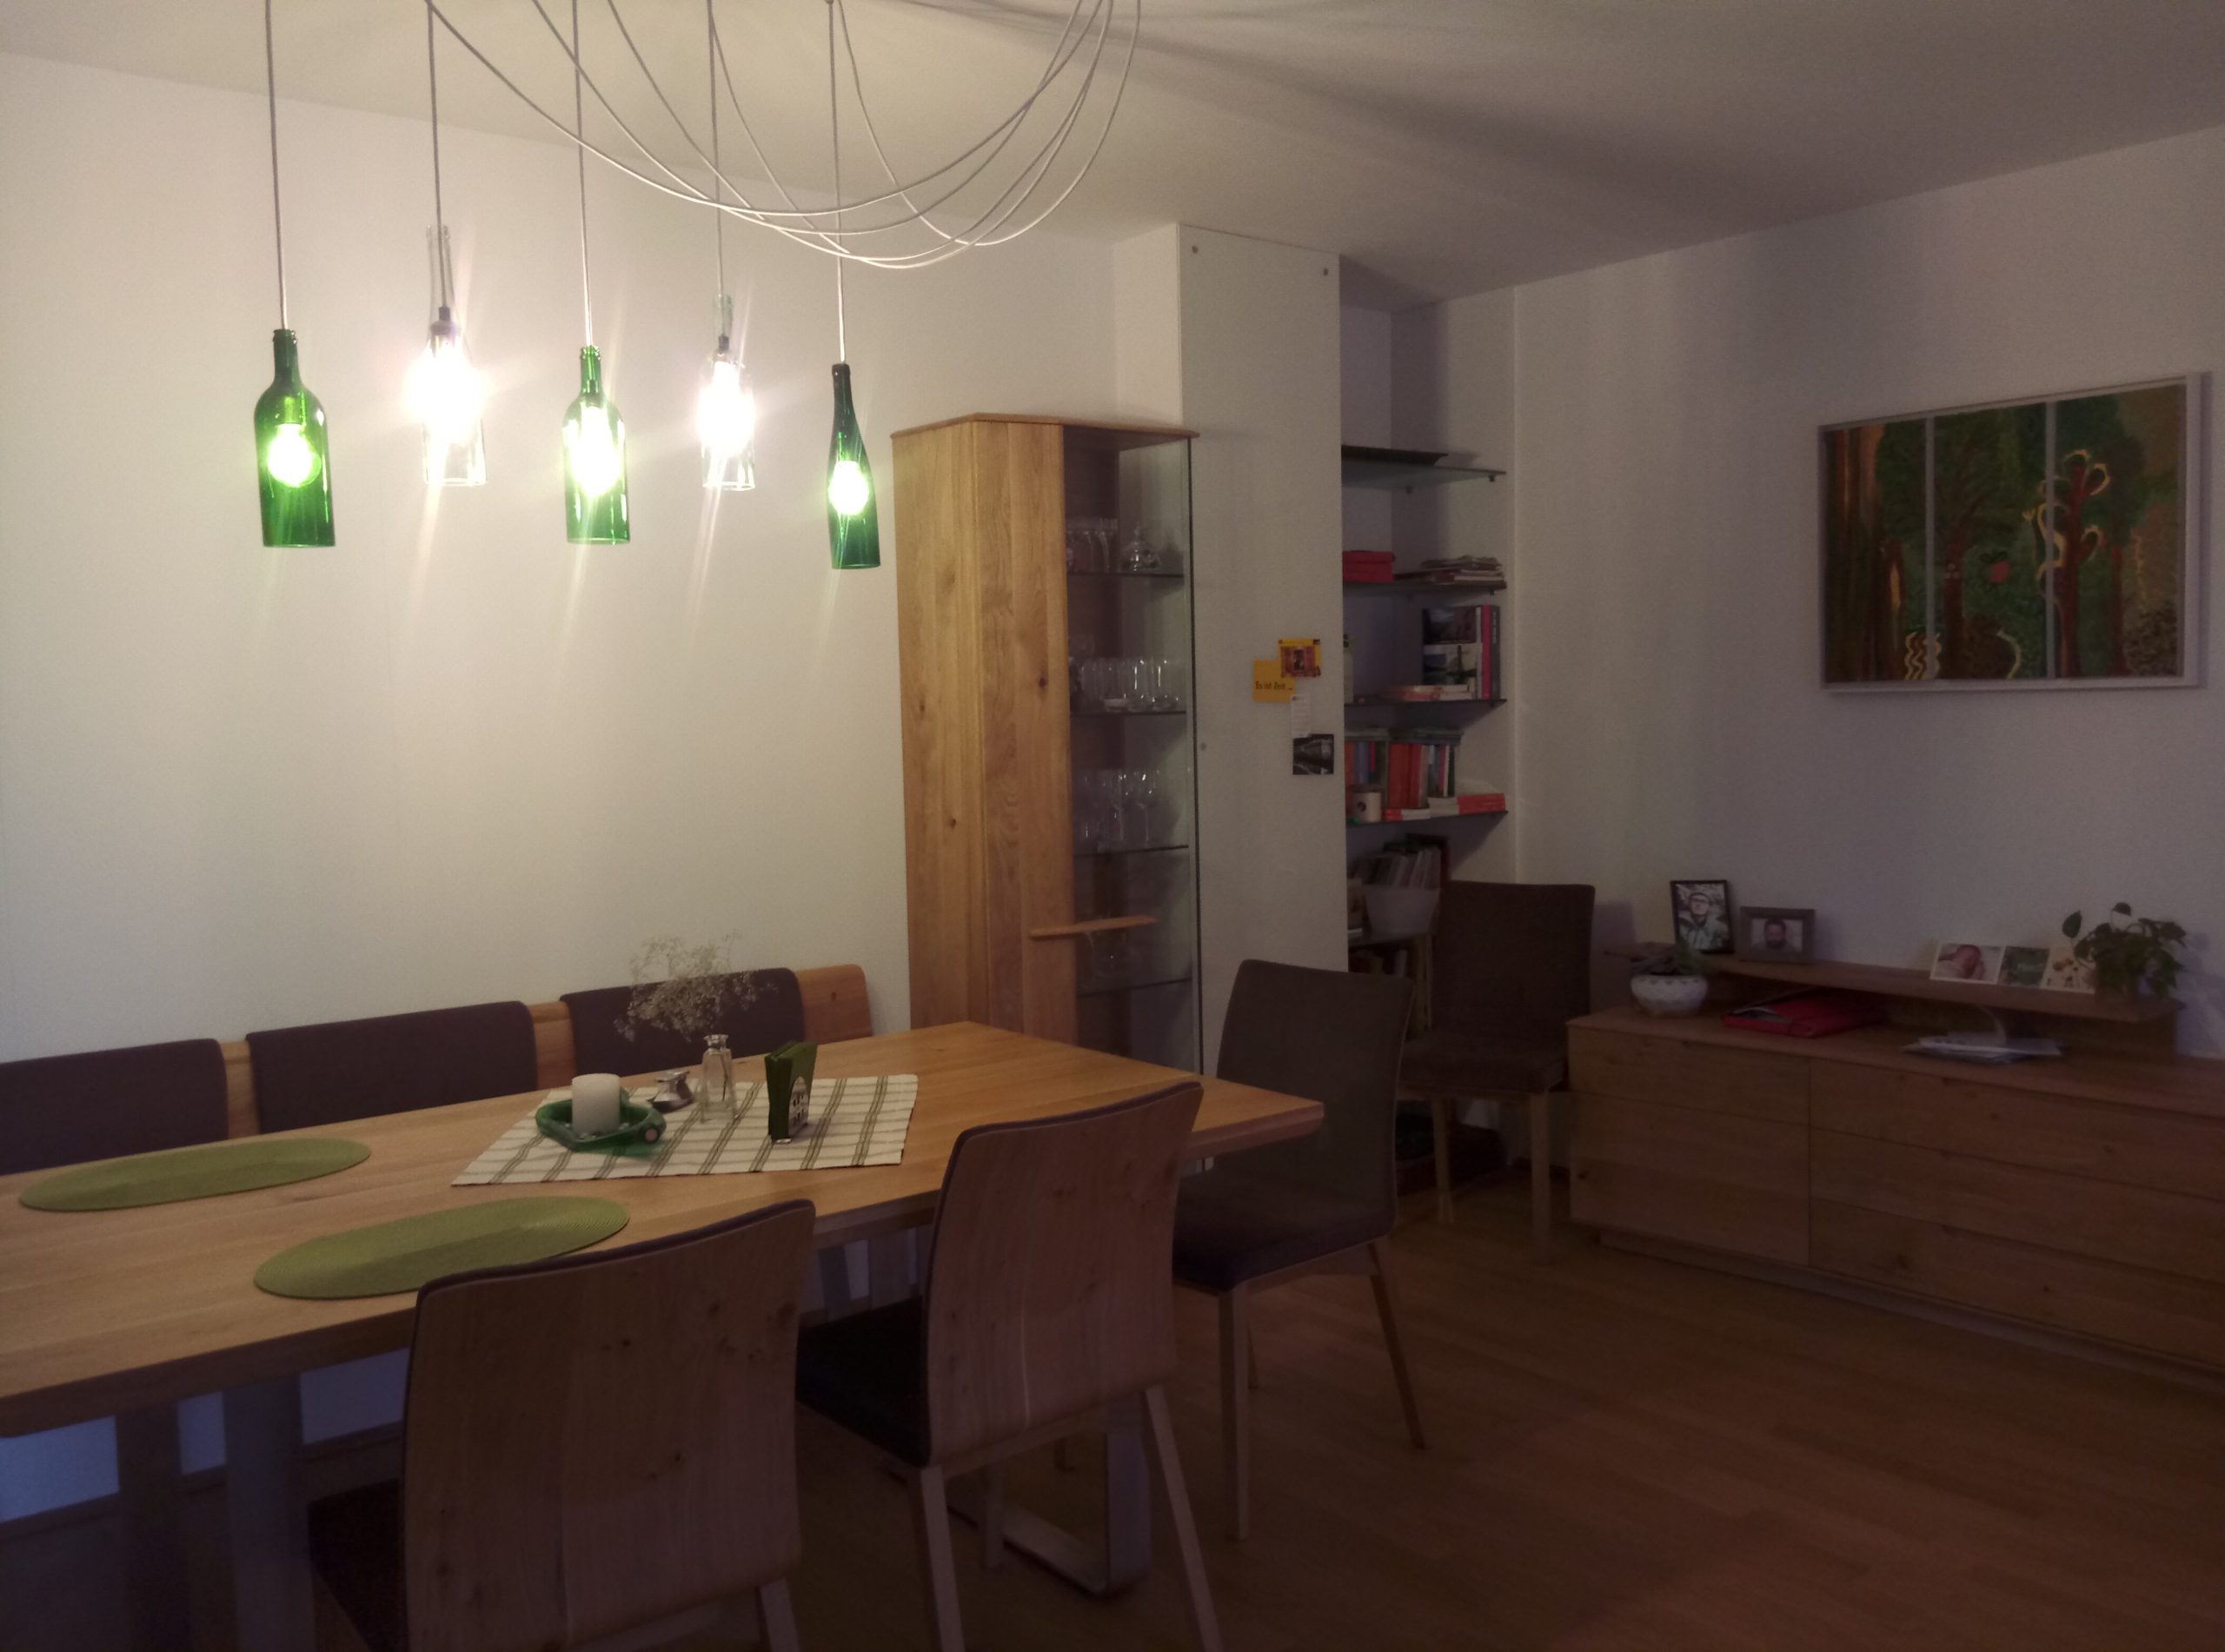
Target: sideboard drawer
[(2169, 1233), (1699, 1177), (2136, 1145), (1754, 1083), (2160, 1313)]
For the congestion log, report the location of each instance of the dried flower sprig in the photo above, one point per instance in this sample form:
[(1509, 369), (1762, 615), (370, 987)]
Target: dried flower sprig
[(686, 987)]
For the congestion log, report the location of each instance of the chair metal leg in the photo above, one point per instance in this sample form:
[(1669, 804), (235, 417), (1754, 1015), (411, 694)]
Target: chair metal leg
[(931, 1510), (1235, 1414), (1440, 1131), (1386, 1308), (776, 1618), (993, 1516), (1541, 1173), (1168, 1461)]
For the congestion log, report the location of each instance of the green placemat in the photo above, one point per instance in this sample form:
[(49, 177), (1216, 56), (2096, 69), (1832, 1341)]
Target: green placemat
[(390, 1256), (192, 1173)]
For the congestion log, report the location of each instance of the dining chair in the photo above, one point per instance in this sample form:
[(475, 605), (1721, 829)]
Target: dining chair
[(64, 1110), (598, 1451), (759, 1009), (1511, 968), (1047, 1311), (1326, 1204), (390, 1064)]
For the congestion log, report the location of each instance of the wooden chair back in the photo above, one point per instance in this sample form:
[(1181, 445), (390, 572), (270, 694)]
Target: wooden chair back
[(1049, 1288), (390, 1063), (1510, 960), (63, 1109), (603, 1441), (1332, 1037)]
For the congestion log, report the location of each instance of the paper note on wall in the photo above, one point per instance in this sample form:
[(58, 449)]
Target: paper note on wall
[(1268, 680)]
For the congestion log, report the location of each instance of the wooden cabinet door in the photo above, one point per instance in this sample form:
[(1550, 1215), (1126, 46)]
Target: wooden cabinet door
[(1723, 1180)]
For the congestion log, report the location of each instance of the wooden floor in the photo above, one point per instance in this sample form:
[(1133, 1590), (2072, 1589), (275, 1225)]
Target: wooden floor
[(1628, 1454)]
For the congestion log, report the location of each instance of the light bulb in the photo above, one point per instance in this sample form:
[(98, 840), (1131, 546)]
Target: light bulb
[(595, 462), (848, 490), (726, 424), (445, 395), (289, 459)]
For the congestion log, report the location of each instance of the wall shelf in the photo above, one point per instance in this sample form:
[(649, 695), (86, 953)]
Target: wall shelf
[(1375, 468), (1439, 588), (1915, 984)]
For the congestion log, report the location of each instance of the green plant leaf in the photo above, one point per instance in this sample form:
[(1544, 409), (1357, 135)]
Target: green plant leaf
[(2122, 908), (2073, 924)]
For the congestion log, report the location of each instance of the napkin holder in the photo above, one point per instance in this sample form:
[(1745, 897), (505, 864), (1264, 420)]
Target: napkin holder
[(788, 1090)]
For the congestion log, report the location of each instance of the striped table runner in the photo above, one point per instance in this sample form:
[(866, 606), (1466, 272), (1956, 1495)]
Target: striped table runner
[(854, 1121)]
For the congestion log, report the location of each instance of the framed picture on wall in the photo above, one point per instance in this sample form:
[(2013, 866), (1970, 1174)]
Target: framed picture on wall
[(2046, 543), (1777, 934)]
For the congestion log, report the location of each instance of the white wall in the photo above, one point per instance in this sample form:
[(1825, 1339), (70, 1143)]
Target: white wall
[(446, 760), (1257, 379), (1666, 657), (440, 762)]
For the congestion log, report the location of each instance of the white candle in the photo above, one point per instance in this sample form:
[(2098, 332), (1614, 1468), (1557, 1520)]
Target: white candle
[(594, 1102)]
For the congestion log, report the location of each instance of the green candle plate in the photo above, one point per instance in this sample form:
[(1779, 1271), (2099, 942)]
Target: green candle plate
[(639, 1125)]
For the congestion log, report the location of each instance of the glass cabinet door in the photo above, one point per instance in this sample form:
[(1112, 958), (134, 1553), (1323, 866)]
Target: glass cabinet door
[(1130, 674)]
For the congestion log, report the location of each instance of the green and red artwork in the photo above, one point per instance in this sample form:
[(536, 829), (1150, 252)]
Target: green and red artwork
[(2028, 543)]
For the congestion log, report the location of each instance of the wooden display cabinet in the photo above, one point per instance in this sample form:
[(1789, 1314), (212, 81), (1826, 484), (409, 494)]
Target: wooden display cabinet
[(1049, 794)]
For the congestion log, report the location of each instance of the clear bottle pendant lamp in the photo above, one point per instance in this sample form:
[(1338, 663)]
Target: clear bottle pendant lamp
[(445, 396), (852, 528)]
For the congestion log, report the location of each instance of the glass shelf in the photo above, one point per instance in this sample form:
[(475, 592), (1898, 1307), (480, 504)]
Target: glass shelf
[(1149, 984), (1124, 573), (1441, 590), (1156, 711), (1147, 849), (1402, 475)]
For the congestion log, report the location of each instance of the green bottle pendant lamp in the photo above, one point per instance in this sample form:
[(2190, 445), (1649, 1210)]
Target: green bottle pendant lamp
[(594, 462), (853, 530), (293, 462)]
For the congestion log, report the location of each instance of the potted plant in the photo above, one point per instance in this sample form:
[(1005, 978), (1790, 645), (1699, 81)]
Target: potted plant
[(2140, 954), (1670, 982)]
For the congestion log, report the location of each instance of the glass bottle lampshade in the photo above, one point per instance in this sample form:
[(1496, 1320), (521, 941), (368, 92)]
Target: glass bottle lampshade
[(594, 462), (444, 392), (725, 414), (853, 530), (293, 465)]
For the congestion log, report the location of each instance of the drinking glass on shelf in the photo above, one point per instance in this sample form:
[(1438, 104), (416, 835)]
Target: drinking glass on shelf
[(1096, 678), (1148, 796), (1166, 685), (1111, 957), (1136, 554)]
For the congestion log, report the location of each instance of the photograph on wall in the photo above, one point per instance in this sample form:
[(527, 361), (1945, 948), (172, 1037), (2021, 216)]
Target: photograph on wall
[(1700, 908), (2040, 542), (1971, 962)]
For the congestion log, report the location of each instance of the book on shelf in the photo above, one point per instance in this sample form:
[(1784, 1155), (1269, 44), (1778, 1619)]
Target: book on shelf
[(1368, 567), (1403, 863)]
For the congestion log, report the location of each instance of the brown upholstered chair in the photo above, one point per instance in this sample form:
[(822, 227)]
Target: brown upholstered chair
[(596, 1446), (1324, 1204), (63, 1109), (760, 1010), (1511, 967), (390, 1064), (1046, 1306)]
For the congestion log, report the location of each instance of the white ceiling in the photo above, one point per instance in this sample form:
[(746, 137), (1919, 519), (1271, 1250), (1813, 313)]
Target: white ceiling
[(1442, 146)]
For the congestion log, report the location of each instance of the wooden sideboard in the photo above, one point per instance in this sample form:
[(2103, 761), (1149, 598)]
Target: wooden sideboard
[(2085, 1195)]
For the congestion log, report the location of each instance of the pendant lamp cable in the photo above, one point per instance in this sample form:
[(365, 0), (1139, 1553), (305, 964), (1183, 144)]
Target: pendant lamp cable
[(277, 218), (834, 104), (718, 179), (440, 220), (579, 131)]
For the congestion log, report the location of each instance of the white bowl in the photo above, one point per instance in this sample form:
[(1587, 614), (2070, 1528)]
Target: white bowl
[(1669, 994)]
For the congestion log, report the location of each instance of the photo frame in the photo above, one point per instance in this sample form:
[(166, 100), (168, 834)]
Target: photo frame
[(1968, 963), (1699, 914), (2050, 542), (1777, 934)]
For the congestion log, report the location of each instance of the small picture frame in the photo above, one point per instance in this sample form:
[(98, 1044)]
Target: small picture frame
[(2023, 965), (1777, 934), (2067, 971), (1971, 963), (1700, 910)]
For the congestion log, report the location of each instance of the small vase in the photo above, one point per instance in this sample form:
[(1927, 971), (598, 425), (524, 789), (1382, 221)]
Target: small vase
[(1669, 994), (716, 1090)]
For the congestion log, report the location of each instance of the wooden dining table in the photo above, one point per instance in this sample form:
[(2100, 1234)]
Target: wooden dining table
[(115, 1313)]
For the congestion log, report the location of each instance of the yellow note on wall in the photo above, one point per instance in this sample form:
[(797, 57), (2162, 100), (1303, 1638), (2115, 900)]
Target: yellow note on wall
[(1268, 681)]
